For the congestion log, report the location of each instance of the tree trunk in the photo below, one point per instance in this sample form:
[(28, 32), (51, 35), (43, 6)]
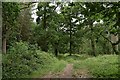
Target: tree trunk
[(70, 36), (43, 44), (44, 19), (56, 52), (92, 40), (70, 42), (44, 47), (119, 44), (93, 47), (4, 46), (114, 49), (104, 47), (114, 39), (56, 49)]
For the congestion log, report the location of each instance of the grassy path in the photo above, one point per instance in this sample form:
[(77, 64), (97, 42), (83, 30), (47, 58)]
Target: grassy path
[(91, 67), (68, 73)]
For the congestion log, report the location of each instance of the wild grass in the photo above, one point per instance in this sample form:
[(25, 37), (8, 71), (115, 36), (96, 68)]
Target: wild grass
[(53, 68), (22, 61), (73, 58), (100, 66)]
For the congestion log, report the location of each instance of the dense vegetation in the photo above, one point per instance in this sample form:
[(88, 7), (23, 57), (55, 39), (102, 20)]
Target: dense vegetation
[(101, 66), (23, 59), (84, 34)]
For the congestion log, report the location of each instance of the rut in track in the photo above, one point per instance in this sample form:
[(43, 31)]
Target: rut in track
[(67, 73)]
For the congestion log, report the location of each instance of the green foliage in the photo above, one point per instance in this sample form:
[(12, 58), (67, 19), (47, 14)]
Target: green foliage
[(22, 59), (54, 68), (101, 66), (25, 25), (70, 31), (10, 13), (73, 58), (18, 61)]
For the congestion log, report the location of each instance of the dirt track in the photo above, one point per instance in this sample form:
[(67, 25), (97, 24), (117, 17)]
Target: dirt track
[(67, 73)]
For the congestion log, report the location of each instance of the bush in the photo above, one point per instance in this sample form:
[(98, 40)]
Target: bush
[(22, 59)]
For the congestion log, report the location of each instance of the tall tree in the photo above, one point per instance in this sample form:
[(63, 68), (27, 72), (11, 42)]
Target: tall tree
[(24, 23), (10, 13), (46, 14), (70, 12)]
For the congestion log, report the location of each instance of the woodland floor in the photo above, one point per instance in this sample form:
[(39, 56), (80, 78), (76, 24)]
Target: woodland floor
[(84, 67)]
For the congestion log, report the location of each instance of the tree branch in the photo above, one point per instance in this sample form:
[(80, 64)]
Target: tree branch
[(110, 40), (28, 5), (106, 38)]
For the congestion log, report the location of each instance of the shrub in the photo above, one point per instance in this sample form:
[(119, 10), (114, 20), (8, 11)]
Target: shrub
[(22, 59)]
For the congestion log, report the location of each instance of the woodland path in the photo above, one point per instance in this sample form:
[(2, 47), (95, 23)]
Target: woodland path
[(67, 73)]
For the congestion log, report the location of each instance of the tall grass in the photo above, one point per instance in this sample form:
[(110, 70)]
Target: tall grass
[(100, 66)]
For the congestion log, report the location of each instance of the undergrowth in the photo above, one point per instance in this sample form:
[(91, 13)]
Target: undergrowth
[(100, 66), (22, 60), (73, 58)]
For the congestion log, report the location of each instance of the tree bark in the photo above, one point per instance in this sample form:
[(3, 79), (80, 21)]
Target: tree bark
[(92, 40), (93, 47), (56, 52), (4, 46), (114, 43), (44, 19), (119, 44), (56, 49), (114, 49), (70, 37), (104, 47)]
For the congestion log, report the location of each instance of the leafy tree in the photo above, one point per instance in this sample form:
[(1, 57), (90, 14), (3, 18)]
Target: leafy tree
[(70, 14), (46, 31), (25, 24), (106, 10), (10, 13)]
